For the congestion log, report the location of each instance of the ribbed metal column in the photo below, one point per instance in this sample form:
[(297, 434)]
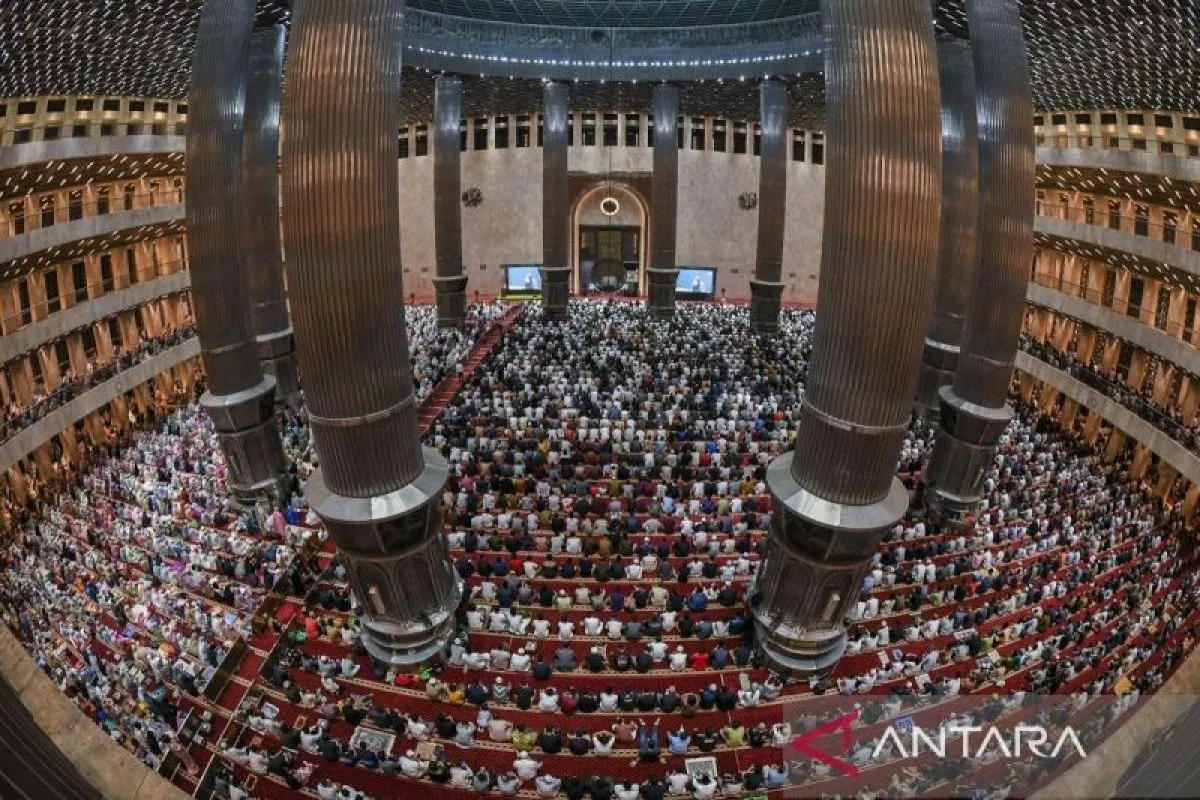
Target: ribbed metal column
[(451, 282), (240, 399), (264, 249), (958, 254), (974, 409), (377, 490), (664, 186), (766, 288), (556, 268), (837, 494)]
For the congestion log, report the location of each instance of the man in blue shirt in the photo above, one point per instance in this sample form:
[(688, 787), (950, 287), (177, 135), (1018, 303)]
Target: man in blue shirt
[(616, 601), (719, 657), (774, 776), (678, 742)]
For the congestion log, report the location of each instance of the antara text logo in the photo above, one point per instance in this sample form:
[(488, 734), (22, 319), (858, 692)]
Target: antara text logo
[(905, 739)]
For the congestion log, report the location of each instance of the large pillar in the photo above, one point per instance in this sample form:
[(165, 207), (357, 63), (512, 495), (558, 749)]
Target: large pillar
[(766, 289), (264, 249), (451, 282), (664, 187), (974, 412), (240, 399), (837, 494), (958, 252), (377, 490), (556, 268)]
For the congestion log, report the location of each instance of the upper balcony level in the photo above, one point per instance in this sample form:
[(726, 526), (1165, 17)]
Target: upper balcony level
[(25, 120), (1171, 342), (39, 167), (47, 143), (1165, 436), (1152, 156), (77, 399), (1122, 158), (91, 305), (1163, 250), (37, 231), (1115, 131)]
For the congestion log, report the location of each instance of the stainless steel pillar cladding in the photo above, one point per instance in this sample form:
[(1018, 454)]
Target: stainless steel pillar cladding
[(958, 254), (377, 490), (766, 288), (664, 187), (556, 268), (240, 399), (260, 183), (837, 494), (451, 282), (974, 413)]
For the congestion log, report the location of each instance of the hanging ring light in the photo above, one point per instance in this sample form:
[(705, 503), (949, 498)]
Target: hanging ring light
[(610, 206)]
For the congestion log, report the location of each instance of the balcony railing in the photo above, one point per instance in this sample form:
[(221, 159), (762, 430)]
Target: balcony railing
[(1168, 422), (1184, 238), (19, 224), (80, 294), (1105, 141), (84, 128), (17, 419), (1176, 330)]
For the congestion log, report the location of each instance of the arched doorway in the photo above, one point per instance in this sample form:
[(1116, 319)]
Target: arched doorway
[(609, 226)]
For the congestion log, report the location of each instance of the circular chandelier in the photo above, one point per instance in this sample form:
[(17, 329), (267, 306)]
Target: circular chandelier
[(609, 206)]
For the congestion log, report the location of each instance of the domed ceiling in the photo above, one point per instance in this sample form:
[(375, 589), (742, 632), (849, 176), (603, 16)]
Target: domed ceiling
[(1084, 53)]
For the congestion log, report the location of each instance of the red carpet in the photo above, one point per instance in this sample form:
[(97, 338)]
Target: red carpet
[(445, 391)]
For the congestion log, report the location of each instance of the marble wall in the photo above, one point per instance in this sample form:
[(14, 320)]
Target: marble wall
[(713, 230)]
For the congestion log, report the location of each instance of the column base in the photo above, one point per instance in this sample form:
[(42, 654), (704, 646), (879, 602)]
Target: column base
[(814, 654), (765, 303), (556, 292), (817, 555), (965, 447), (287, 380), (249, 440), (950, 512), (938, 364), (397, 564), (277, 354), (451, 300), (661, 300)]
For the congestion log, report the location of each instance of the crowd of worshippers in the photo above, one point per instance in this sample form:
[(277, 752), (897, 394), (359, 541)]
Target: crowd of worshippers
[(17, 416), (579, 452), (145, 545), (126, 589), (573, 459), (1163, 413), (438, 352)]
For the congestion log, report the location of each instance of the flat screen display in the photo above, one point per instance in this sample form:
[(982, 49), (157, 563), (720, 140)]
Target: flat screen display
[(696, 280), (523, 278)]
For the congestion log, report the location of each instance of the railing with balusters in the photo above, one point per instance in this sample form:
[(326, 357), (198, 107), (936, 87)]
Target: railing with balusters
[(1166, 421), (24, 220), (1136, 224), (17, 419), (1174, 329), (81, 294), (1105, 141)]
